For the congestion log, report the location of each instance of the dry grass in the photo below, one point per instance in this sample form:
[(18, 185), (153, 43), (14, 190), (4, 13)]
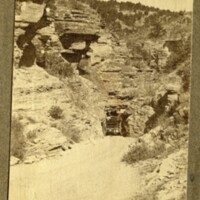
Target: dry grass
[(142, 151), (32, 135), (31, 120), (143, 90), (70, 131), (146, 196), (17, 139)]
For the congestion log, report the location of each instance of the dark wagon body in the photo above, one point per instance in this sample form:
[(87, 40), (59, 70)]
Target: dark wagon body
[(115, 123)]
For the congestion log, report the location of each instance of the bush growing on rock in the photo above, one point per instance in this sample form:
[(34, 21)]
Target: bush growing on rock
[(173, 61), (142, 151), (57, 65), (156, 30), (61, 70), (75, 136), (56, 112), (184, 73), (31, 135), (181, 56), (72, 132), (17, 139)]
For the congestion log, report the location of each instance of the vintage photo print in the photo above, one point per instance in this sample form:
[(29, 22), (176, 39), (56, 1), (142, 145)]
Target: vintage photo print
[(100, 102)]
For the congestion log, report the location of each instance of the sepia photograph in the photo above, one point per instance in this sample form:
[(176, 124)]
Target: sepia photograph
[(100, 99)]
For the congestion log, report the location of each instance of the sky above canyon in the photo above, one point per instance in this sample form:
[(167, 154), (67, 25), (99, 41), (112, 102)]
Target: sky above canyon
[(174, 5)]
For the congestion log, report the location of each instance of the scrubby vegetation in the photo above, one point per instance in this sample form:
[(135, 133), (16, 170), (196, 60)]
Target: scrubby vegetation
[(56, 112), (156, 30), (143, 151), (57, 66), (147, 195), (17, 138), (70, 131), (31, 135), (140, 24), (131, 14), (180, 54)]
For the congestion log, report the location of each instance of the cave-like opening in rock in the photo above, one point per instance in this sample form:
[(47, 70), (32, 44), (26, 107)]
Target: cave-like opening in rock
[(68, 38), (71, 57), (29, 56), (24, 42)]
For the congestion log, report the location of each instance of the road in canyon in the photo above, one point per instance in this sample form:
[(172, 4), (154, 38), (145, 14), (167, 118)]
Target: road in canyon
[(89, 171)]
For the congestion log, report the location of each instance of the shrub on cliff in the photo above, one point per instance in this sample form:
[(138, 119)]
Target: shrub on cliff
[(156, 30), (70, 131), (56, 112), (184, 72), (142, 151), (17, 139), (173, 61), (181, 59), (57, 65)]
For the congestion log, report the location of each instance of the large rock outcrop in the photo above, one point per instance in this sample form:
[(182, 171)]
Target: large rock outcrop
[(50, 58)]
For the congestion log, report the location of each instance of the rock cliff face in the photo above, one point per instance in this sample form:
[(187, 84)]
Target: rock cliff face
[(50, 58)]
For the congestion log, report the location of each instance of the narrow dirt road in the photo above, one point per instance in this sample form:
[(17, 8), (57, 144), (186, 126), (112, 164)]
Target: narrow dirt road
[(90, 171)]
